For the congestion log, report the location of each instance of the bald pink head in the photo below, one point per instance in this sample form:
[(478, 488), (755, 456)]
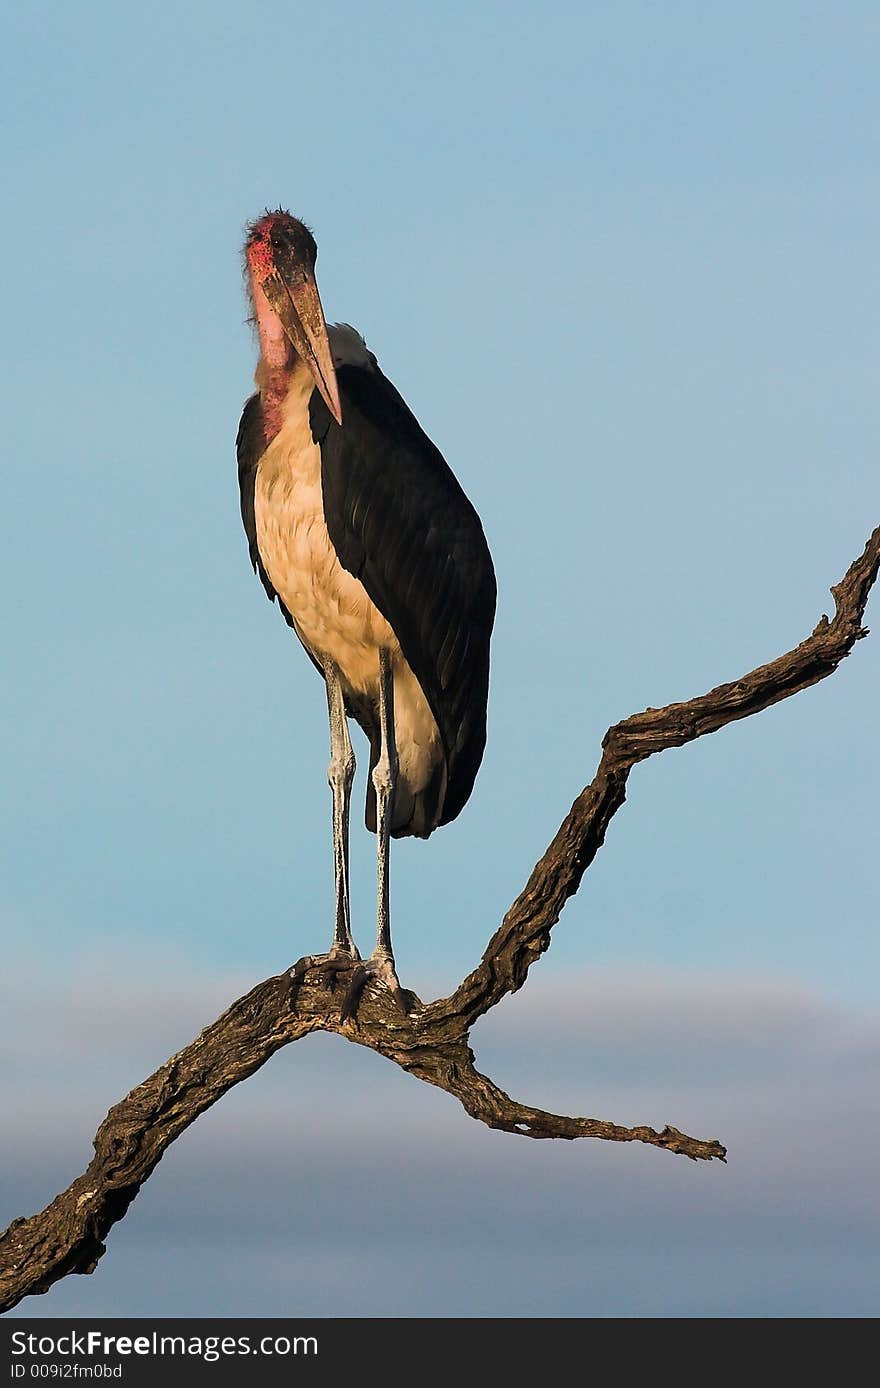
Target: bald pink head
[(278, 242), (280, 254)]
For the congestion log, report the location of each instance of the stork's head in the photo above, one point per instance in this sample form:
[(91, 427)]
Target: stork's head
[(280, 255)]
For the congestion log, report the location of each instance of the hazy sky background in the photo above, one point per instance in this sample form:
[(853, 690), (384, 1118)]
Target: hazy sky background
[(622, 262)]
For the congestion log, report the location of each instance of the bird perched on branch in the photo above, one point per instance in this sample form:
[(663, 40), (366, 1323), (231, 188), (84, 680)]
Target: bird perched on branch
[(379, 564)]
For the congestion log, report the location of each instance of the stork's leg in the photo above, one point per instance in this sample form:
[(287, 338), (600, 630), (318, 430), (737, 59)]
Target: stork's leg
[(340, 774), (380, 965), (343, 954), (385, 783)]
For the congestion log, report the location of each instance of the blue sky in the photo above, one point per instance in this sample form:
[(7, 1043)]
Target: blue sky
[(621, 260)]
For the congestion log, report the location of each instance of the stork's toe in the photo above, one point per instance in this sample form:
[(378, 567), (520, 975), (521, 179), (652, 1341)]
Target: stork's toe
[(327, 966), (378, 968)]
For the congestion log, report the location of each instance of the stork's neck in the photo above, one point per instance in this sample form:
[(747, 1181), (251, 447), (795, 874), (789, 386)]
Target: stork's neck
[(278, 361)]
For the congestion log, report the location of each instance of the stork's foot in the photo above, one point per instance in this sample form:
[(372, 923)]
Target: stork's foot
[(344, 965), (380, 969), (340, 960)]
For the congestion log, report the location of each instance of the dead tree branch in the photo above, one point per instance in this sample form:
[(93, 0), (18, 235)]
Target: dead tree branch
[(431, 1042)]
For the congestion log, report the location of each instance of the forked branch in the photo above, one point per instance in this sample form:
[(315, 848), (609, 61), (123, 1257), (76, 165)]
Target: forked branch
[(431, 1042)]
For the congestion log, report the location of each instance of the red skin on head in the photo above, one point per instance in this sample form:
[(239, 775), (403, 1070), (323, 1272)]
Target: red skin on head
[(259, 249), (260, 255)]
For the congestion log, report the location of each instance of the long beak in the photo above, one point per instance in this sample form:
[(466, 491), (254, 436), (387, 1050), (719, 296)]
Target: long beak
[(296, 300)]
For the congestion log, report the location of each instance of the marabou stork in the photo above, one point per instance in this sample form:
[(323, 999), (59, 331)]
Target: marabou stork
[(379, 564)]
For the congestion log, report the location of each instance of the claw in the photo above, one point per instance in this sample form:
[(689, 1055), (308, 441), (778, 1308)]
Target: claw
[(379, 967), (327, 969), (356, 985), (326, 966)]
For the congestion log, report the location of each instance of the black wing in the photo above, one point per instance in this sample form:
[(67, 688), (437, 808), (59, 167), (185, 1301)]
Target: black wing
[(400, 522)]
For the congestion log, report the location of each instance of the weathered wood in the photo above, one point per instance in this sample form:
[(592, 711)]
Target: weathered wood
[(430, 1042)]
